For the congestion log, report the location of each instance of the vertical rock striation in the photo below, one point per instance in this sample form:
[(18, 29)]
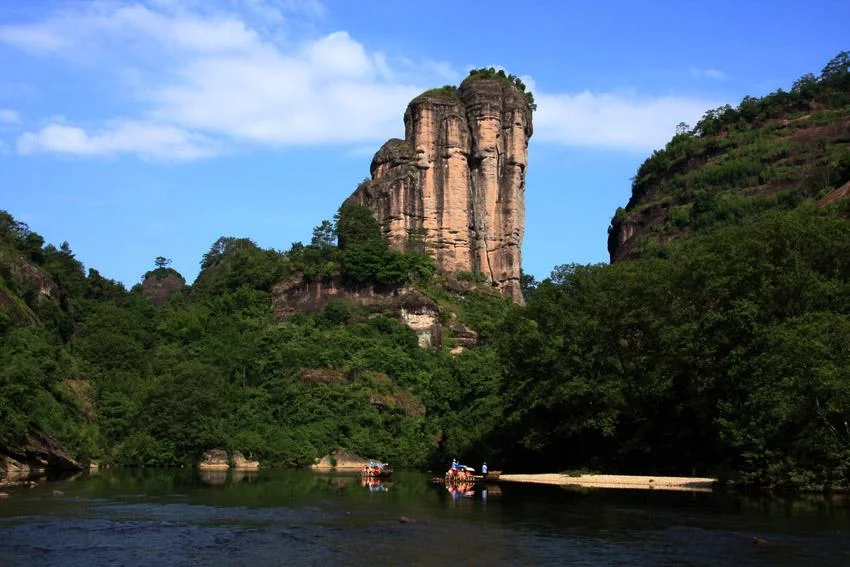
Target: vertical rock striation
[(455, 186)]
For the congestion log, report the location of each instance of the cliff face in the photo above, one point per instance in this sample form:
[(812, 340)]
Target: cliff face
[(159, 285), (455, 185), (418, 312)]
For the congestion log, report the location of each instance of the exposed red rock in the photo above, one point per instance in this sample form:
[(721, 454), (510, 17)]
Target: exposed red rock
[(160, 284), (415, 310), (835, 195), (456, 184)]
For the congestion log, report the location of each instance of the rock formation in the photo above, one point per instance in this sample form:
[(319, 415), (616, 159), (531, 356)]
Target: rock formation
[(415, 310), (214, 459), (241, 463), (40, 452), (456, 184), (340, 459), (158, 285)]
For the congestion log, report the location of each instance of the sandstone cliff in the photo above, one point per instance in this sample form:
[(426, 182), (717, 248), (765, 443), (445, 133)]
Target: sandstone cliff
[(456, 184)]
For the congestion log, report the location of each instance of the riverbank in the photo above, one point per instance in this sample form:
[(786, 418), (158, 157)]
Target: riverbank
[(696, 484)]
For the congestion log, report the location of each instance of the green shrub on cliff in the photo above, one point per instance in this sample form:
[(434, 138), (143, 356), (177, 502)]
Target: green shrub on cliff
[(493, 73)]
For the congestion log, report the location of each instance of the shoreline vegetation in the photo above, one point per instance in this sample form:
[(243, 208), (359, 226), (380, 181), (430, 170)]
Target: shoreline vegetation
[(695, 484)]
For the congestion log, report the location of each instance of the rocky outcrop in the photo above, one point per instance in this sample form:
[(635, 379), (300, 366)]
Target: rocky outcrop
[(35, 276), (423, 318), (214, 459), (40, 452), (241, 463), (158, 285), (340, 459), (464, 336), (418, 312), (624, 232), (455, 186), (297, 295), (28, 276)]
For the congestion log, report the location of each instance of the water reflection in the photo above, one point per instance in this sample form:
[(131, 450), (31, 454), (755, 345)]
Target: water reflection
[(220, 477), (244, 475), (374, 484), (179, 516), (461, 489), (213, 477)]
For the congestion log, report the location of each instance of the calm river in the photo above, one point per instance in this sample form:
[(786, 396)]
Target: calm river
[(288, 517)]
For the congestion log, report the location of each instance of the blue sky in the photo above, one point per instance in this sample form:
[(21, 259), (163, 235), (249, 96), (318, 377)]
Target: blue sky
[(147, 128)]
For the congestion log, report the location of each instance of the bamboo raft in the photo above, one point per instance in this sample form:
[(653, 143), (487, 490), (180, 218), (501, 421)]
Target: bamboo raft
[(376, 470), (491, 476), (386, 473)]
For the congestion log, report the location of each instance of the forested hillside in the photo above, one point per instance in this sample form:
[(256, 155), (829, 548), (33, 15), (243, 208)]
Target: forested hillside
[(766, 155), (717, 344), (119, 380)]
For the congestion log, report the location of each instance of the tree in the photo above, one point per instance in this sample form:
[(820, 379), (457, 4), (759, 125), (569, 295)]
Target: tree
[(355, 225), (323, 235), (161, 262), (838, 68), (224, 245), (527, 284)]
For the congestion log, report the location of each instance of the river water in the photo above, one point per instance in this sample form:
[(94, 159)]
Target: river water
[(288, 517)]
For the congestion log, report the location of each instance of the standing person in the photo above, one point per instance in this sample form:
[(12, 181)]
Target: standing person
[(484, 469)]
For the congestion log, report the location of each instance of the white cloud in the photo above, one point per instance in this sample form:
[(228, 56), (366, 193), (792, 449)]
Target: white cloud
[(105, 26), (613, 120), (711, 73), (9, 116), (206, 80), (213, 76), (33, 38), (150, 141)]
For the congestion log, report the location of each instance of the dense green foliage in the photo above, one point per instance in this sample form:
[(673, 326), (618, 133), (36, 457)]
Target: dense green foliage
[(450, 91), (723, 351), (728, 356), (769, 153), (362, 258), (118, 380)]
